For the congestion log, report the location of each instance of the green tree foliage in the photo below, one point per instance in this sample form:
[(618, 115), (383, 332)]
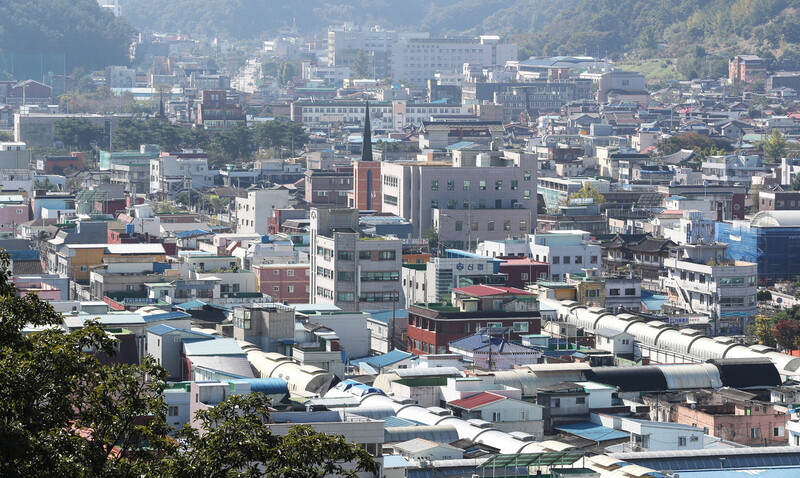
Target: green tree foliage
[(286, 73), (775, 146), (362, 65), (67, 412), (280, 133), (588, 192), (88, 36), (78, 133), (6, 136), (701, 144)]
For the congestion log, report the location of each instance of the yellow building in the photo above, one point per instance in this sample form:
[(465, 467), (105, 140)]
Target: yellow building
[(78, 260)]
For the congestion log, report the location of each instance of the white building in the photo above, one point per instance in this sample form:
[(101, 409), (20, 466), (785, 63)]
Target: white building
[(14, 155), (568, 252), (701, 281), (253, 212), (171, 173)]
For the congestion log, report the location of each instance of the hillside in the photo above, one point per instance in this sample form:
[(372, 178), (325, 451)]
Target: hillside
[(641, 29), (50, 35)]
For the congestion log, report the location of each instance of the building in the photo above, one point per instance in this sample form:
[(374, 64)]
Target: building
[(523, 271), (383, 114), (253, 212), (269, 326), (217, 112), (641, 254), (432, 328), (328, 187), (700, 280), (778, 200), (433, 281), (367, 174), (171, 173), (493, 352), (286, 283), (14, 155), (746, 423), (14, 212), (483, 194), (566, 252), (746, 68), (351, 271), (420, 59), (505, 413)]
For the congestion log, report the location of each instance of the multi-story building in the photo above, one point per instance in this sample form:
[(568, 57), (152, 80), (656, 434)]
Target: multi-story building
[(746, 68), (778, 200), (700, 280), (270, 326), (13, 212), (348, 270), (481, 195), (746, 423), (641, 254), (769, 239), (328, 188), (287, 283), (556, 192), (566, 252), (383, 114), (173, 172), (253, 212), (14, 156), (419, 59), (216, 112), (434, 280), (431, 328)]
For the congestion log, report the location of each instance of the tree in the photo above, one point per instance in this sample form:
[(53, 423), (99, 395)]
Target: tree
[(763, 330), (432, 235), (286, 73), (218, 204), (787, 334), (67, 412), (701, 144), (44, 185), (241, 421), (588, 192), (6, 136), (78, 133), (775, 146), (362, 65)]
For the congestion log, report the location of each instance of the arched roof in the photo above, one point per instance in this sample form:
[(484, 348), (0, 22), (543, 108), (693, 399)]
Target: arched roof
[(776, 219)]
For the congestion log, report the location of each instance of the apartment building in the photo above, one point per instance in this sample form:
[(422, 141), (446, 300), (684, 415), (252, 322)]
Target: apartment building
[(172, 172), (253, 212), (700, 280), (349, 270)]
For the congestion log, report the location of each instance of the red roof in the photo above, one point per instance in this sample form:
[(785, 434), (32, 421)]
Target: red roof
[(479, 400), (671, 211), (483, 290)]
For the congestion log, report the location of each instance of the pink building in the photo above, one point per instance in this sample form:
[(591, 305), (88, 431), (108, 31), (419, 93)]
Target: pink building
[(44, 291), (13, 212), (284, 282), (746, 423)]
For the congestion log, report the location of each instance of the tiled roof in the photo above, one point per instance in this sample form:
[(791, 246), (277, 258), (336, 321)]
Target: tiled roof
[(476, 401), (26, 267)]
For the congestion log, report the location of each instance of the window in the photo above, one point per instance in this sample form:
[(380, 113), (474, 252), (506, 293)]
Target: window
[(613, 292), (593, 259), (523, 226), (345, 296), (346, 255), (526, 194), (681, 441), (580, 400), (482, 185), (555, 403), (514, 185), (592, 293), (83, 268), (290, 272), (498, 185), (777, 431), (365, 254), (755, 433), (490, 226), (173, 411), (567, 260), (467, 327), (451, 185), (289, 288), (380, 276), (630, 291), (496, 416), (507, 225), (458, 226), (556, 259), (466, 185), (494, 325), (474, 226), (434, 204), (387, 255), (390, 200), (346, 276), (521, 327), (451, 204), (434, 185), (526, 176)]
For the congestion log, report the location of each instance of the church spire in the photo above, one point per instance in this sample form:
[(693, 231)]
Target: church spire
[(366, 144)]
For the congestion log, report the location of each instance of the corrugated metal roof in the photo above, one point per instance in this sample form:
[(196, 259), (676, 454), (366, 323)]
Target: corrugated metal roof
[(592, 431), (222, 346), (476, 401)]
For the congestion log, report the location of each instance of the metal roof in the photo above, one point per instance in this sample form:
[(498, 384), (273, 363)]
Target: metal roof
[(222, 346), (476, 401), (679, 460), (533, 459), (592, 431)]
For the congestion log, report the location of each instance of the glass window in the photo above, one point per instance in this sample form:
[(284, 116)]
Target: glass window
[(521, 327), (466, 185), (498, 185), (346, 276), (567, 259), (556, 259), (526, 175), (578, 260), (346, 255), (482, 185), (458, 225), (490, 226), (434, 204), (526, 194), (345, 296), (451, 204), (482, 204), (365, 255), (451, 185), (523, 226), (514, 184), (387, 255), (474, 226), (434, 185), (507, 225)]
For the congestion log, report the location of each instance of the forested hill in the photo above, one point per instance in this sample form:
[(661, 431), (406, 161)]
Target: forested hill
[(52, 32), (671, 28)]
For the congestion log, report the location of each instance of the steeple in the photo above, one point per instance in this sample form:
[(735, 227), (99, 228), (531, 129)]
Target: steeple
[(366, 144)]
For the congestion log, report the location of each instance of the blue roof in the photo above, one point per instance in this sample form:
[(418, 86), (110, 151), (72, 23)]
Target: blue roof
[(780, 472), (384, 360), (199, 304), (268, 386), (162, 329), (476, 343), (385, 315), (392, 422), (23, 255), (592, 431), (165, 316), (459, 145), (653, 301), (395, 461), (221, 346), (192, 233)]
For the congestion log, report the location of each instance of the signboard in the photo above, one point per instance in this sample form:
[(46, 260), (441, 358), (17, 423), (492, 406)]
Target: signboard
[(138, 300), (581, 201)]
